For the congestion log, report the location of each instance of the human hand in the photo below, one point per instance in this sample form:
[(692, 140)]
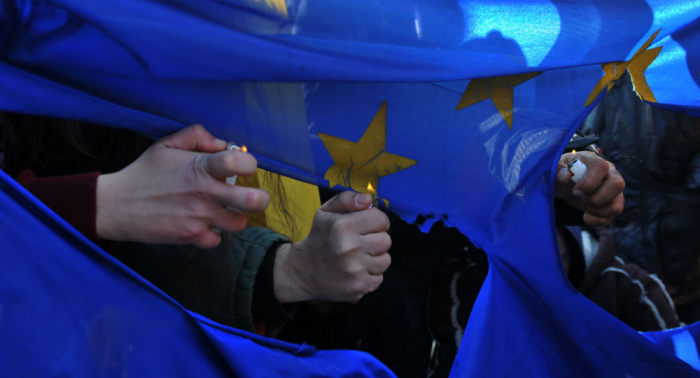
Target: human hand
[(176, 191), (343, 257), (598, 193)]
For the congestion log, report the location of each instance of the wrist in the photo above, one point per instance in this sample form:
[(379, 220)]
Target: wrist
[(287, 280), (105, 224)]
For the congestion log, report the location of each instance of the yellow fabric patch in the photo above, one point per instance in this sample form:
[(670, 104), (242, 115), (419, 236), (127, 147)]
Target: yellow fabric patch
[(300, 199)]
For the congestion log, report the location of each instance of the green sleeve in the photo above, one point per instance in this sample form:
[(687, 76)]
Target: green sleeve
[(217, 282)]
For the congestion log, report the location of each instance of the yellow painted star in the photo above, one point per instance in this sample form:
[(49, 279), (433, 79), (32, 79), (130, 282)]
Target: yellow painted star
[(357, 164), (636, 67), (278, 5), (498, 89)]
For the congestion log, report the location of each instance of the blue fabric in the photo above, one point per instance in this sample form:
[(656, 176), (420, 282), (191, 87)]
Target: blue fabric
[(67, 308), (301, 82)]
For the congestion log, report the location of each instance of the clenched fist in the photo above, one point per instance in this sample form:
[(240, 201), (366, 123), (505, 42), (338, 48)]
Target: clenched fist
[(343, 257)]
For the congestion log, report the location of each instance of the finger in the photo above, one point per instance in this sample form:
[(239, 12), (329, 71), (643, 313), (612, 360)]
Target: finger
[(208, 239), (377, 265), (567, 158), (373, 282), (347, 202), (228, 163), (596, 171), (563, 174), (368, 222), (562, 181), (611, 209), (193, 138), (609, 190), (239, 197), (228, 220), (376, 244), (593, 220)]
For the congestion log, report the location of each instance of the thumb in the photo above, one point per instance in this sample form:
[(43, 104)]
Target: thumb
[(347, 202), (563, 175), (193, 138)]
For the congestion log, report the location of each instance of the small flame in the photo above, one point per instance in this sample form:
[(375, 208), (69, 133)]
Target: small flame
[(370, 188), (244, 148), (573, 152)]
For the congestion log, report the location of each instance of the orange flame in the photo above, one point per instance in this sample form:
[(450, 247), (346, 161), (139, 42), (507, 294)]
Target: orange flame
[(244, 148), (573, 152), (370, 188)]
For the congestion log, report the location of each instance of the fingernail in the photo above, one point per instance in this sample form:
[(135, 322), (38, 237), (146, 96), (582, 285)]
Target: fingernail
[(220, 143), (562, 174), (362, 200), (578, 193)]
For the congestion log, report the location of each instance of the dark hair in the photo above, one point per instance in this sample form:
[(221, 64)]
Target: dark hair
[(56, 147), (280, 202)]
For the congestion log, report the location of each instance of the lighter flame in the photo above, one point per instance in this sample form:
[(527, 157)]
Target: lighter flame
[(573, 152), (244, 148), (370, 188)]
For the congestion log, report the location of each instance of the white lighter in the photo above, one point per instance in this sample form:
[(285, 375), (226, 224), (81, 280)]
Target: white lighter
[(578, 169), (232, 146)]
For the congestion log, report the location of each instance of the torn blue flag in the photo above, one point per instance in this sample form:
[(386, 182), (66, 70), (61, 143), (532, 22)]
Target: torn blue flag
[(456, 110)]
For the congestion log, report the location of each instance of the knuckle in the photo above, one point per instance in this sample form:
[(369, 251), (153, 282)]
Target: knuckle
[(198, 129), (354, 271), (377, 282), (229, 160), (251, 199), (199, 210), (358, 287), (192, 232), (340, 227), (386, 262), (619, 183), (385, 241), (382, 220), (618, 207), (344, 246), (256, 199), (601, 164)]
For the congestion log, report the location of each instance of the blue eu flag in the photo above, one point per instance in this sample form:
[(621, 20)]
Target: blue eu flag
[(456, 110)]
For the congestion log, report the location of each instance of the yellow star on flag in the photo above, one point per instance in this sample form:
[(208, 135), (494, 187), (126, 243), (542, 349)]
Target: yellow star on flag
[(365, 162), (278, 5), (498, 89), (636, 67)]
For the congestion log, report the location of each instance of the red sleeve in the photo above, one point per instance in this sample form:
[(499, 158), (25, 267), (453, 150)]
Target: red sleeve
[(73, 198)]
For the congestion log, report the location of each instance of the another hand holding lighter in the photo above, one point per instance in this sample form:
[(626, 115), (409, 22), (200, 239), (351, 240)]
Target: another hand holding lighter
[(174, 193), (343, 257), (591, 184)]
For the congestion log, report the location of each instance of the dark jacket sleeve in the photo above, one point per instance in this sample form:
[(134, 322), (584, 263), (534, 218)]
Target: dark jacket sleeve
[(219, 283), (73, 198)]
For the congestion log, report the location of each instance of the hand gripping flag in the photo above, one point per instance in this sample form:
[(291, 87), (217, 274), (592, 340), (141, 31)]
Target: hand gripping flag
[(456, 110)]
